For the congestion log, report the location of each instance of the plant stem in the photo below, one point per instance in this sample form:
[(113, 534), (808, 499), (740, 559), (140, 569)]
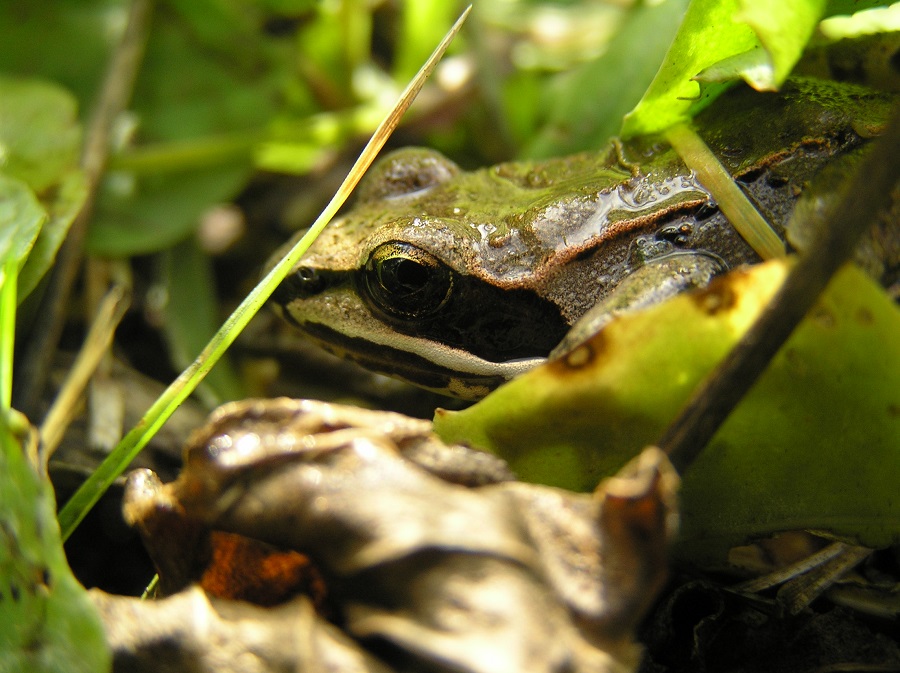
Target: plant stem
[(35, 359), (734, 204), (867, 193)]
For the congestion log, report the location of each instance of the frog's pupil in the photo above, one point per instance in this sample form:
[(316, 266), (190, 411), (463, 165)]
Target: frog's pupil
[(403, 275)]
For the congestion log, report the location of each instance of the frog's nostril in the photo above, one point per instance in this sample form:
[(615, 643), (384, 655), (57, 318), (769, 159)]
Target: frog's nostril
[(303, 282), (307, 275)]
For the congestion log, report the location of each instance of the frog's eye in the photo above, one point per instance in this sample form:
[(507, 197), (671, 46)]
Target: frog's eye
[(405, 282), (404, 172)]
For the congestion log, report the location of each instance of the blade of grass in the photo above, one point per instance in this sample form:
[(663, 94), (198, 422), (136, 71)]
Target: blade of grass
[(8, 276), (117, 461), (734, 204)]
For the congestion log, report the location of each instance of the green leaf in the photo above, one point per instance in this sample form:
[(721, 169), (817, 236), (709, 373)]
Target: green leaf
[(783, 29), (21, 218), (866, 22), (40, 141), (47, 622), (40, 137), (588, 103), (217, 22), (75, 38), (137, 216), (193, 84), (815, 445), (63, 205), (718, 41)]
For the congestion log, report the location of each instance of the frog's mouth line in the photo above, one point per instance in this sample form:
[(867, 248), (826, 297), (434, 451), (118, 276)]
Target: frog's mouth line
[(460, 374)]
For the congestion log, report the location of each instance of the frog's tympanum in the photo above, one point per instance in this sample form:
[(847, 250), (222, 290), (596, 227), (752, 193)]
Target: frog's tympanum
[(458, 281)]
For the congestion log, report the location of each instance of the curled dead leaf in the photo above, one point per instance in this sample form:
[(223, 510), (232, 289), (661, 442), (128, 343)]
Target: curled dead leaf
[(432, 557)]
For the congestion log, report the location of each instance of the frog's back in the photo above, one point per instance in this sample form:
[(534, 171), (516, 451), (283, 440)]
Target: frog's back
[(774, 145)]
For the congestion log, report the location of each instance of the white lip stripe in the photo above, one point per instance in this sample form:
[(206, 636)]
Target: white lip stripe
[(343, 312), (444, 356)]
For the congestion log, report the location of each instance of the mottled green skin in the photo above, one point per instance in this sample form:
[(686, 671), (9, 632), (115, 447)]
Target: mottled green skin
[(533, 246)]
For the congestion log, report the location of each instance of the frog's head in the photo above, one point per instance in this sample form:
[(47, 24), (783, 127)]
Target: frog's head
[(423, 281)]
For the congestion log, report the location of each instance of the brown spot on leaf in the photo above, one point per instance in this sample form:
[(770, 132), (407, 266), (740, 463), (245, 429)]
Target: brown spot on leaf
[(580, 357), (823, 317), (796, 361), (864, 316), (583, 356), (715, 298)]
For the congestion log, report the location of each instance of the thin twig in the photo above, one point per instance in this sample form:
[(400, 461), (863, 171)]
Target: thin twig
[(98, 339), (791, 571), (797, 594), (34, 364), (868, 192)]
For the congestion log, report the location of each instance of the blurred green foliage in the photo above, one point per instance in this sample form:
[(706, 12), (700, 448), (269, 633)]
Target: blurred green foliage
[(231, 87)]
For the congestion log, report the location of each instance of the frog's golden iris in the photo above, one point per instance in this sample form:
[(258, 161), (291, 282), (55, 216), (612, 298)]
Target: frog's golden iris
[(405, 282)]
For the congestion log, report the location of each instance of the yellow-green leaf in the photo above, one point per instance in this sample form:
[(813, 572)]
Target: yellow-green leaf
[(816, 443), (719, 41)]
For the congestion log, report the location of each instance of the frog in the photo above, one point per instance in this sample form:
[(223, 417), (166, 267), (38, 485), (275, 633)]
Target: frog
[(458, 281)]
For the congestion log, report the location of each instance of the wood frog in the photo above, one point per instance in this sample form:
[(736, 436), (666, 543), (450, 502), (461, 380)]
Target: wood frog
[(458, 281)]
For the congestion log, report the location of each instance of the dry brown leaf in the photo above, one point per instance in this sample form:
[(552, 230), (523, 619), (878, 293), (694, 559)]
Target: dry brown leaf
[(432, 558)]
